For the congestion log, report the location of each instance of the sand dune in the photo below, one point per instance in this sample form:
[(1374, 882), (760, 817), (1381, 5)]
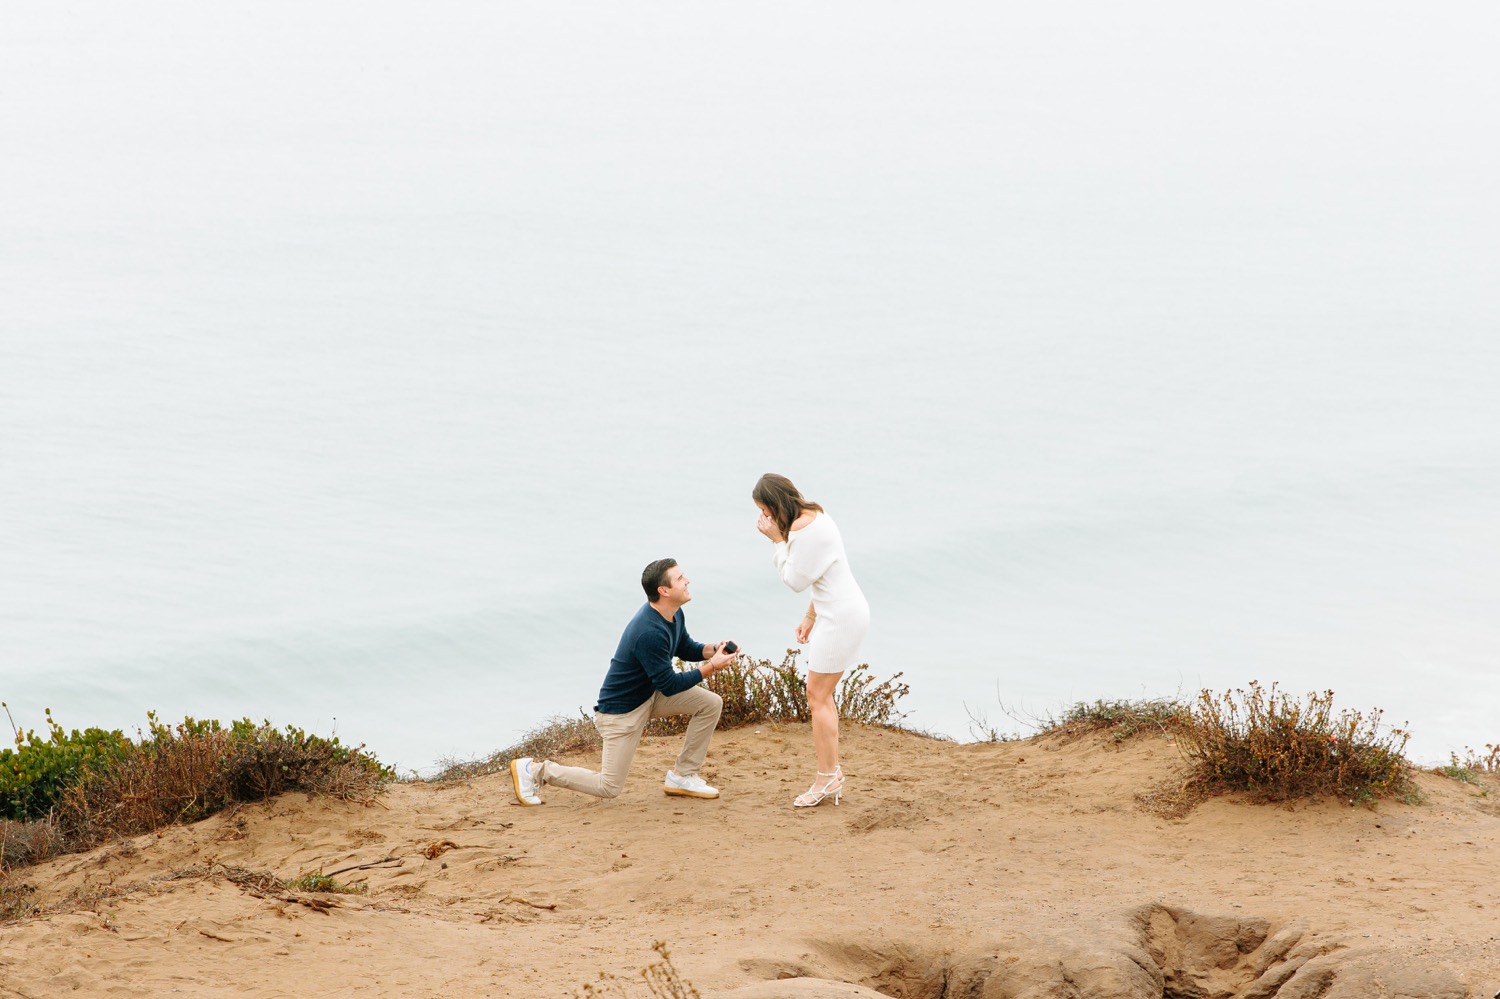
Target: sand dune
[(1013, 870)]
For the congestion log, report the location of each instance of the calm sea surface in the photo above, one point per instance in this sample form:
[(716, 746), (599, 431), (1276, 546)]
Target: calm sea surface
[(355, 357)]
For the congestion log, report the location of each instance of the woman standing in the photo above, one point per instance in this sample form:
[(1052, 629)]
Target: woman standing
[(810, 553)]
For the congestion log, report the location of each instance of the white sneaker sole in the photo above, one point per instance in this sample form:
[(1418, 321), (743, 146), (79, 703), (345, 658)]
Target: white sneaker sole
[(679, 792)]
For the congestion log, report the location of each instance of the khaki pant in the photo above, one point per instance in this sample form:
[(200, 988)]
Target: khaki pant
[(622, 735)]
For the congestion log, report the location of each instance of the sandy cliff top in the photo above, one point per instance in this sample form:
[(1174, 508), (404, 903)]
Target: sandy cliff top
[(988, 869)]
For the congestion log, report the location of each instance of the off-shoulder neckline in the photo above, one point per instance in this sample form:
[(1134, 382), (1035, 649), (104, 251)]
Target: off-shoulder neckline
[(817, 516)]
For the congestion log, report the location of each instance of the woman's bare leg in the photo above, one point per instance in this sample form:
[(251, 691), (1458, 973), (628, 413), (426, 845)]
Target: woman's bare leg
[(825, 720)]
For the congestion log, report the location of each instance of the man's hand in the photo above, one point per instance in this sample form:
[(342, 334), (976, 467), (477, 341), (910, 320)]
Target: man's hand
[(718, 661)]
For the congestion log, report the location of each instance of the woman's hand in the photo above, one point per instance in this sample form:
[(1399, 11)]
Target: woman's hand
[(804, 629), (767, 526)]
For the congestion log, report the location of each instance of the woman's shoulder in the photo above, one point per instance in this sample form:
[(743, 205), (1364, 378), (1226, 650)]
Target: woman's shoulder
[(810, 518)]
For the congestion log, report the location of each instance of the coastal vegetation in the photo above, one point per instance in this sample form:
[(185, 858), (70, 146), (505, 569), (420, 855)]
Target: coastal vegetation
[(1466, 769), (64, 791), (1263, 742), (324, 883), (660, 978), (1256, 740), (1119, 718)]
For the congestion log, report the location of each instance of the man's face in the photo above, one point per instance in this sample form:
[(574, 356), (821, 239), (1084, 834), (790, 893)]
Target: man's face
[(677, 586)]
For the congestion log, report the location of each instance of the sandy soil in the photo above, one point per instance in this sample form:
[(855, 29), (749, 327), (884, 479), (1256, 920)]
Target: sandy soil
[(944, 862)]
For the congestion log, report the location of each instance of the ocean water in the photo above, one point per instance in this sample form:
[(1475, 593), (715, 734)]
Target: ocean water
[(354, 358)]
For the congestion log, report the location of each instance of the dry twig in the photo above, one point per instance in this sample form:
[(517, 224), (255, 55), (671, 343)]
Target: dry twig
[(383, 862), (525, 901), (437, 848)]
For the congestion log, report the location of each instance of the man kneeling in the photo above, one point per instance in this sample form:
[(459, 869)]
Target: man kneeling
[(641, 685)]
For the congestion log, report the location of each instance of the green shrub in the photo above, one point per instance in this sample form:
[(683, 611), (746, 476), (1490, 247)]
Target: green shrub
[(70, 791), (34, 775), (1265, 742), (189, 771), (1123, 719), (1475, 763), (1457, 771), (320, 882)]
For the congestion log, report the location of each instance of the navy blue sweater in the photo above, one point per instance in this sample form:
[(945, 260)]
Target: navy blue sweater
[(643, 663)]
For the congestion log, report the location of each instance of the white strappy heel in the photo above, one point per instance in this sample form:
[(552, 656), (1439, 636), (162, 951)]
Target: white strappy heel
[(814, 795)]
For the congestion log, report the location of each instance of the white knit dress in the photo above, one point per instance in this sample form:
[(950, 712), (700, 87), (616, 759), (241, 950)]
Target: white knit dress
[(814, 556)]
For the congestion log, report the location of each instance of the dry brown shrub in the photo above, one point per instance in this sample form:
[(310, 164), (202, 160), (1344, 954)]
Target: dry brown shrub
[(756, 691), (25, 843), (1265, 742), (16, 899), (556, 737), (187, 774), (661, 979)]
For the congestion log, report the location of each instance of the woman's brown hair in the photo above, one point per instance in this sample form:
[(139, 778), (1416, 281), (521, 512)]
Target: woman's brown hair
[(777, 494)]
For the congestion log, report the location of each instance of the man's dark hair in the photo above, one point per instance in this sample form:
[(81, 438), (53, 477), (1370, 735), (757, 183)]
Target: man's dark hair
[(655, 576)]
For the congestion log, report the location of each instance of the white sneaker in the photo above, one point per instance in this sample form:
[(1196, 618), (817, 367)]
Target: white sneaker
[(689, 787), (528, 791)]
